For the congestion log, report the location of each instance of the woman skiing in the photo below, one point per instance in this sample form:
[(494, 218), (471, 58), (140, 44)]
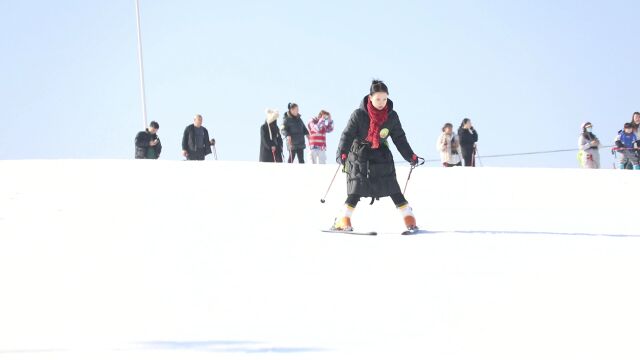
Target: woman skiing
[(449, 147), (588, 144), (468, 138), (364, 151), (270, 139)]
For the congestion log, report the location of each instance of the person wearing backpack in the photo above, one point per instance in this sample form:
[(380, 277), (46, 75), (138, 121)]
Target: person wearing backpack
[(588, 144), (627, 147)]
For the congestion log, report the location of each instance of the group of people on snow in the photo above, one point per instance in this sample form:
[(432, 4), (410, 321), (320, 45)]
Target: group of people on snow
[(456, 148), (626, 149), (296, 134), (196, 144)]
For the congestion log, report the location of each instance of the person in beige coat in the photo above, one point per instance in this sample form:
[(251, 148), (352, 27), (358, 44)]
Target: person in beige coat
[(448, 145)]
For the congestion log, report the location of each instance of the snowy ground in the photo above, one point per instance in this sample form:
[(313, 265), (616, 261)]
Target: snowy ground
[(178, 260)]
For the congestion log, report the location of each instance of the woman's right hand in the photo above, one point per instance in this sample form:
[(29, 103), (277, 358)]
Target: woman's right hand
[(185, 153)]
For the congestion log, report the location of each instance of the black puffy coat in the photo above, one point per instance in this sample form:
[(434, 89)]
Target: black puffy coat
[(268, 140), (142, 145), (467, 139), (295, 127), (371, 172)]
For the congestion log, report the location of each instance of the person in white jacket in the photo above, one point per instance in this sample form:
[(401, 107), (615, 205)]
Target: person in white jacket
[(588, 143), (448, 146)]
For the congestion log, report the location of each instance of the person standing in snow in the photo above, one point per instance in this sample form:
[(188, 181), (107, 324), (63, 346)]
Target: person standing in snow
[(270, 139), (294, 131), (588, 143), (449, 147), (635, 121), (319, 127), (364, 152), (148, 144), (195, 140), (627, 146), (468, 138)]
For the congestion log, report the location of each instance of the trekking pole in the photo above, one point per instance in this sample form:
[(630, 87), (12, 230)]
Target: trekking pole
[(215, 153), (477, 155), (330, 184), (411, 171), (273, 152)]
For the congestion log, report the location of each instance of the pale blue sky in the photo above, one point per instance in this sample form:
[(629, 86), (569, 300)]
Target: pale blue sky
[(527, 73)]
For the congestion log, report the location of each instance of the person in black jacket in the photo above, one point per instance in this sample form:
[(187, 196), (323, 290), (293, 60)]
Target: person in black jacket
[(147, 142), (195, 141), (468, 137), (364, 150), (270, 139), (294, 130)]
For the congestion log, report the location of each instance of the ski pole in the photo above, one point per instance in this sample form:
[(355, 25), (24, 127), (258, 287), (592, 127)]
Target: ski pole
[(410, 172), (215, 153), (477, 155), (273, 152), (330, 184)]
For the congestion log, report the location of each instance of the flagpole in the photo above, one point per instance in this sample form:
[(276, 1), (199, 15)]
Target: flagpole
[(142, 92)]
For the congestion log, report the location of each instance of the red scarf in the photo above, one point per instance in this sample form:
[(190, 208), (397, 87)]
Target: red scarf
[(378, 117)]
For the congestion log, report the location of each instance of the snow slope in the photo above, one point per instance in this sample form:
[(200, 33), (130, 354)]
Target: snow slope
[(185, 260)]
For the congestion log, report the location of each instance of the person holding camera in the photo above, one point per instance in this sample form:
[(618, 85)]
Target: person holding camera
[(318, 128), (448, 146), (468, 138), (195, 141), (147, 143)]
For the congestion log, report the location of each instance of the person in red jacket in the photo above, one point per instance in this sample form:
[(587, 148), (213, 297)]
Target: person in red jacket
[(319, 127)]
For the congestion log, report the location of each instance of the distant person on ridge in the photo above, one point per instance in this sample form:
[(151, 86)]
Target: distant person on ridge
[(147, 143), (588, 143), (294, 131), (364, 151), (635, 121), (195, 140), (449, 147), (468, 138), (270, 139), (627, 146), (319, 127)]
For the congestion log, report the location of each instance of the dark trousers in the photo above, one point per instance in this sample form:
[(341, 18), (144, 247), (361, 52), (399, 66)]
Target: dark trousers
[(468, 156), (293, 153), (398, 200), (451, 165), (197, 155)]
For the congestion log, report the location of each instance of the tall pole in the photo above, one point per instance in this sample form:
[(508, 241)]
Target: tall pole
[(142, 92)]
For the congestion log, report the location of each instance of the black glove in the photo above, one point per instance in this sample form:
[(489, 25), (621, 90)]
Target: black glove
[(213, 142)]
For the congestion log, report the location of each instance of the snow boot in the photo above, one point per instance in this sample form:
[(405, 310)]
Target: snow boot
[(343, 222), (409, 218)]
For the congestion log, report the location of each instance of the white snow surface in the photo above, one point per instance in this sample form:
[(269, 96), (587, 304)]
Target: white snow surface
[(225, 260)]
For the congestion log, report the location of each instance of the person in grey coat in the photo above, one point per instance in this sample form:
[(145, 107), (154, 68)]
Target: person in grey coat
[(295, 131)]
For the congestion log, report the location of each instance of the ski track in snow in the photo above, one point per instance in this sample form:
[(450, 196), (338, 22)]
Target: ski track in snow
[(185, 260)]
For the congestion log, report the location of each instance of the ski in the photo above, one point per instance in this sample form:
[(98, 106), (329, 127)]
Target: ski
[(362, 233), (414, 232)]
